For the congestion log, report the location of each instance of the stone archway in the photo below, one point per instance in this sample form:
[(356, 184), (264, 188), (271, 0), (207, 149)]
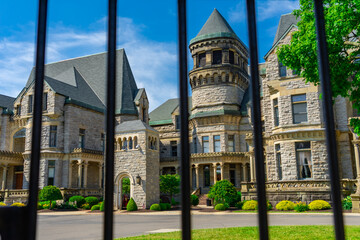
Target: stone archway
[(118, 201)]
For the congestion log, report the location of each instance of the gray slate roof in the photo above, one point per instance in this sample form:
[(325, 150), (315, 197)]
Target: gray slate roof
[(135, 125), (285, 22), (6, 102), (84, 80), (215, 26)]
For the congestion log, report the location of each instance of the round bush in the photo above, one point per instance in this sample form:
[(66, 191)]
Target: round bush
[(155, 207), (250, 205), (131, 206), (194, 200), (95, 207), (285, 205), (92, 201), (102, 206), (2, 204), (80, 200), (220, 207), (319, 205), (50, 193), (301, 207), (240, 204), (163, 206), (347, 203), (18, 204), (224, 192)]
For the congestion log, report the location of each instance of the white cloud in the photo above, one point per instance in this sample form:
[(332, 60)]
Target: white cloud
[(265, 9), (153, 63)]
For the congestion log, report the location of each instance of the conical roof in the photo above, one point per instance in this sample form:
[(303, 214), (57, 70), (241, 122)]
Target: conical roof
[(215, 26)]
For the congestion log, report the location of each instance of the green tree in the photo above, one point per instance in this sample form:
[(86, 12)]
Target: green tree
[(342, 32), (170, 184), (224, 192), (126, 186), (50, 193)]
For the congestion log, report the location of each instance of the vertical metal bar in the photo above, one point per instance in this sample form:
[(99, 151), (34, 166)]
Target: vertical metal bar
[(37, 118), (324, 72), (184, 120), (256, 119), (110, 121)]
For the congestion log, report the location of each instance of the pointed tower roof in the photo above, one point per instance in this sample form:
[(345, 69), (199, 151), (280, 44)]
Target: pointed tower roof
[(215, 26)]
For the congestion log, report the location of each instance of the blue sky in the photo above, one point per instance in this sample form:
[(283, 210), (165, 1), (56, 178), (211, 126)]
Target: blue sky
[(147, 31)]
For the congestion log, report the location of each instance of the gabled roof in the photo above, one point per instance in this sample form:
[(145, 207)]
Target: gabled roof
[(130, 126), (70, 77), (6, 102), (287, 21), (215, 26)]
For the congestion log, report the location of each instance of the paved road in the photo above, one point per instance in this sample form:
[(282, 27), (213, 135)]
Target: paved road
[(89, 226)]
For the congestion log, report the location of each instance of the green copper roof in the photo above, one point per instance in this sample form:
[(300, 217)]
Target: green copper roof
[(215, 26)]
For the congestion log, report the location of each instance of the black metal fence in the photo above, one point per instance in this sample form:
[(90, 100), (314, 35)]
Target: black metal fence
[(20, 223)]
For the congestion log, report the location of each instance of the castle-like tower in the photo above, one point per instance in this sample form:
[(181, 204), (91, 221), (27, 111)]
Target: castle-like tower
[(219, 77)]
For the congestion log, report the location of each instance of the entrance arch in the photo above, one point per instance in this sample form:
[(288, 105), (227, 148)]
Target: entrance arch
[(119, 188)]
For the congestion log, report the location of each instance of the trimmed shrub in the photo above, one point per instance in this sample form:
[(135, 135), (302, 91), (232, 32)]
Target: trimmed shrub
[(155, 207), (194, 200), (95, 207), (269, 206), (67, 206), (347, 203), (131, 206), (50, 193), (224, 192), (2, 204), (301, 207), (165, 206), (285, 205), (102, 206), (18, 204), (240, 204), (86, 206), (80, 200), (92, 201), (220, 207), (250, 205), (46, 205), (319, 205), (173, 202)]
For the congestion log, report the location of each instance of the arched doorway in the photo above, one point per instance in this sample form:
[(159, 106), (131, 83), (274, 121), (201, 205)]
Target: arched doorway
[(124, 184), (19, 141)]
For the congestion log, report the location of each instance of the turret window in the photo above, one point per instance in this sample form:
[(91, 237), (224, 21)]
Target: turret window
[(231, 57), (217, 57), (202, 59)]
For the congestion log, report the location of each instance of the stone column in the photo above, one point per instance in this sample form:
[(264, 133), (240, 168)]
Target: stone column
[(79, 173), (197, 175), (4, 177), (252, 167), (70, 173), (222, 170), (86, 164), (214, 166), (100, 174), (244, 172)]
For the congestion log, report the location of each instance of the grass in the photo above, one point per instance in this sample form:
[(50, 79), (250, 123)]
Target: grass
[(249, 233)]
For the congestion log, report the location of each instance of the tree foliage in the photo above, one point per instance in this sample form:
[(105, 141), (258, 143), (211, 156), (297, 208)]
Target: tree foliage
[(224, 192), (342, 23), (50, 193), (126, 186), (170, 184)]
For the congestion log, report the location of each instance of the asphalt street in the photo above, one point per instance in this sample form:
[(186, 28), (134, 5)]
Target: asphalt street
[(89, 226)]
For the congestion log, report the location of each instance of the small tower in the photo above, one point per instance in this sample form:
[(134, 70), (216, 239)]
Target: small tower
[(219, 77)]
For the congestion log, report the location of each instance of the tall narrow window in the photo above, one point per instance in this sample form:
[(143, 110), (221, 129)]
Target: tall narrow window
[(195, 145), (144, 114), (130, 143), (231, 145), (218, 173), (217, 143), (30, 104), (299, 108), (51, 172), (282, 70), (217, 57), (206, 176), (205, 144), (102, 142), (177, 122), (232, 174), (173, 148), (124, 144), (202, 59), (18, 110), (278, 160), (53, 136), (44, 103), (231, 57), (304, 161), (81, 138), (276, 112)]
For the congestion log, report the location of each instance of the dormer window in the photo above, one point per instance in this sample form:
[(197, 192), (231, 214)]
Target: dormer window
[(202, 59), (177, 122), (217, 57)]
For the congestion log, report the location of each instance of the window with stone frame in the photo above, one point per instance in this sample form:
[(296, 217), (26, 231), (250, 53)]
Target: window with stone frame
[(51, 172), (217, 143), (202, 59), (217, 57), (177, 122), (44, 103), (174, 149), (30, 103), (53, 136), (81, 138), (195, 145), (299, 108), (276, 112), (205, 144), (231, 57), (231, 145), (282, 70), (304, 161), (278, 160)]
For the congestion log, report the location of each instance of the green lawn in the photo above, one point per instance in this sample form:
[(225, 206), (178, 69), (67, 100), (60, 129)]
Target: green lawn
[(248, 233)]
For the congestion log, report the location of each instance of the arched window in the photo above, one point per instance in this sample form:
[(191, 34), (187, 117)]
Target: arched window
[(120, 144), (130, 143), (149, 142), (135, 142), (115, 145), (124, 144)]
